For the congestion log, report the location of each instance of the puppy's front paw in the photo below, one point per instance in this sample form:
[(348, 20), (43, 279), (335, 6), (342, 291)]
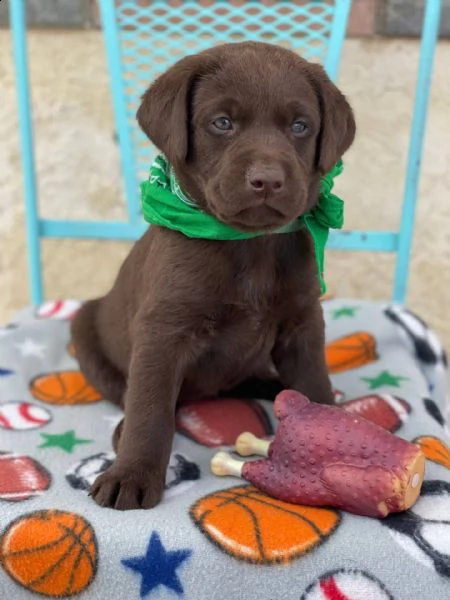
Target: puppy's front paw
[(128, 489)]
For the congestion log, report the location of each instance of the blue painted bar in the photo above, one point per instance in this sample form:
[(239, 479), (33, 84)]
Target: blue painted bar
[(340, 21), (429, 38), (88, 230), (113, 54), (18, 27), (102, 230)]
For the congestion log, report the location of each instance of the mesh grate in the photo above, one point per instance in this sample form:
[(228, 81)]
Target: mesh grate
[(154, 35)]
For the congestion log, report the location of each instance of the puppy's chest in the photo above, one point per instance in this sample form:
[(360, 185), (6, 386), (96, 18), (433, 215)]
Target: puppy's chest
[(238, 345), (255, 308), (239, 333), (268, 292)]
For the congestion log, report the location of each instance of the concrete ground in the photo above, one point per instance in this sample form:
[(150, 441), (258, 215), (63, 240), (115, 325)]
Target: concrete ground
[(79, 174)]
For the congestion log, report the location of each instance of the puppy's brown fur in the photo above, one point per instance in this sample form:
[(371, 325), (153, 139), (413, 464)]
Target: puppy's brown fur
[(189, 317)]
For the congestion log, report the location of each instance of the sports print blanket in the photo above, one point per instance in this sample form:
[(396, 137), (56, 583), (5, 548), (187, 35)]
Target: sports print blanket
[(213, 538)]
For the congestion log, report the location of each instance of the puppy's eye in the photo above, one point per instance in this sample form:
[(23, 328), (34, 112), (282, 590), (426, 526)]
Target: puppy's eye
[(299, 127), (223, 124)]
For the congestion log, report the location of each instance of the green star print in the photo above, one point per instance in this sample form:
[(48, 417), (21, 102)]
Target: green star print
[(384, 378), (345, 311), (66, 441)]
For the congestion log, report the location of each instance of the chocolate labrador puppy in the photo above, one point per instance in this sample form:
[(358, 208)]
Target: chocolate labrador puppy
[(249, 129)]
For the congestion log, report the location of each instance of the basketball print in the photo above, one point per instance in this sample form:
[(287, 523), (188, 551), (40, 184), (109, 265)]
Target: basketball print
[(389, 412), (63, 388), (50, 552), (21, 416), (251, 526), (347, 584), (218, 422), (21, 477), (351, 352), (434, 449), (60, 310)]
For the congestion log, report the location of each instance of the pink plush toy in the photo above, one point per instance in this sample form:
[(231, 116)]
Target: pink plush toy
[(325, 456)]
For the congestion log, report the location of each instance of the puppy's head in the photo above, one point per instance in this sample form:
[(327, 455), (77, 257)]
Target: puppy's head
[(249, 129)]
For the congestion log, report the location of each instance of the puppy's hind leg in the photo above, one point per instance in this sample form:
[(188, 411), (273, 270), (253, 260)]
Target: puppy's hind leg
[(96, 367)]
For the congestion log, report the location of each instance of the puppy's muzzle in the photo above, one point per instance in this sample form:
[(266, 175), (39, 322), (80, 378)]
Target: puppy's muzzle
[(265, 180)]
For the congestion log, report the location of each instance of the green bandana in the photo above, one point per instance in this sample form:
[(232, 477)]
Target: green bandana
[(165, 204)]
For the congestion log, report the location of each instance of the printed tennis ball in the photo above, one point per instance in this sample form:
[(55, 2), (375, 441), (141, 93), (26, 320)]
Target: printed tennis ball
[(21, 416), (63, 310)]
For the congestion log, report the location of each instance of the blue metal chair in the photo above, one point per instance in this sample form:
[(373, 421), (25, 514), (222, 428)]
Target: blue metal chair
[(142, 41)]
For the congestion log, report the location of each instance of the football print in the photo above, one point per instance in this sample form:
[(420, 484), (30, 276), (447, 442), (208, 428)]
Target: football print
[(389, 412), (219, 422), (21, 477)]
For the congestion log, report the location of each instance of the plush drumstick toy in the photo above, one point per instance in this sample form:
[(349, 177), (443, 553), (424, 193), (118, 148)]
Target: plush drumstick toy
[(325, 456)]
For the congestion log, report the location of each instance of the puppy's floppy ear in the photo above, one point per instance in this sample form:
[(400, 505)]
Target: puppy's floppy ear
[(164, 113), (338, 127)]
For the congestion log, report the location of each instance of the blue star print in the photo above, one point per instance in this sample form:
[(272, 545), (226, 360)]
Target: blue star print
[(5, 372), (158, 567)]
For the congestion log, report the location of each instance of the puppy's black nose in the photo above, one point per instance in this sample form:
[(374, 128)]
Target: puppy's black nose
[(264, 179)]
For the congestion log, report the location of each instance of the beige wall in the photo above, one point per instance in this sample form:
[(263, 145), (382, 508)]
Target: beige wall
[(79, 174)]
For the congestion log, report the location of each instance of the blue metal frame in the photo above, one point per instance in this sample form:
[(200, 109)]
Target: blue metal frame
[(337, 37), (429, 38), (120, 110), (37, 228), (18, 23)]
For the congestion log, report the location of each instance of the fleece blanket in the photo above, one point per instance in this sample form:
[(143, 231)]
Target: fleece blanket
[(213, 538)]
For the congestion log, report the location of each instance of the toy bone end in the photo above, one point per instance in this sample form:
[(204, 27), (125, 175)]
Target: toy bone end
[(248, 444), (222, 464)]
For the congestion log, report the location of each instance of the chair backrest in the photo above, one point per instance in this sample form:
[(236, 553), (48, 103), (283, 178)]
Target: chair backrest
[(143, 38)]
